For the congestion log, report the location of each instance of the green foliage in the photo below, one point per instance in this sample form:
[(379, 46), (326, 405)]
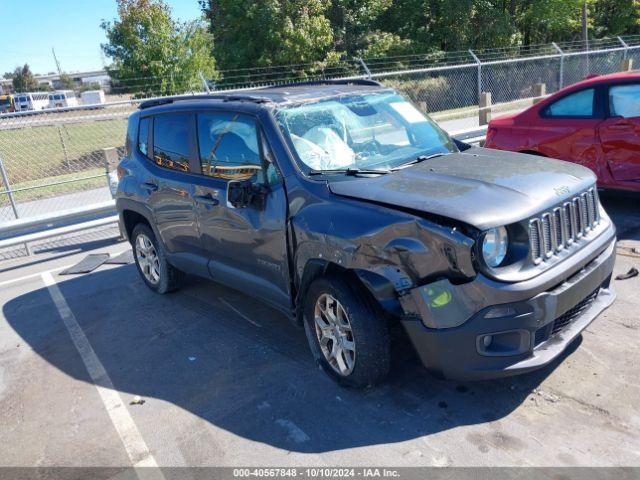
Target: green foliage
[(66, 82), (270, 32), (543, 21), (153, 54), (616, 17), (23, 79)]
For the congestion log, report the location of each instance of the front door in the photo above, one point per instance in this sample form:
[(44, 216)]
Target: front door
[(620, 133), (247, 246)]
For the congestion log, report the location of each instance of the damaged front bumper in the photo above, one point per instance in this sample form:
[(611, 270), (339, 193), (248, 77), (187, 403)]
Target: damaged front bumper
[(511, 328)]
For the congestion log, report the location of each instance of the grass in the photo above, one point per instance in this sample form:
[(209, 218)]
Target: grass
[(36, 156), (40, 152), (78, 181)]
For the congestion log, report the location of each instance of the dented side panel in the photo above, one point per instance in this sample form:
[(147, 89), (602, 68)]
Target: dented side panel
[(404, 249)]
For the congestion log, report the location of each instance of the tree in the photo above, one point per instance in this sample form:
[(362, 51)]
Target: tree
[(66, 82), (23, 79), (251, 34), (616, 17), (544, 21), (154, 55), (270, 32), (357, 29)]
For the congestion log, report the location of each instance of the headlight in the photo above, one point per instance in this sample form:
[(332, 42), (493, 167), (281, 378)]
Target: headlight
[(494, 246)]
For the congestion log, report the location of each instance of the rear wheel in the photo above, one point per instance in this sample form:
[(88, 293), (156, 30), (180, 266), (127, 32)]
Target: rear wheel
[(151, 261), (348, 336)]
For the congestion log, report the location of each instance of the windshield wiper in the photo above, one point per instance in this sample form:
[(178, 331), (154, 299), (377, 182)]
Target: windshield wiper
[(422, 158), (350, 171)]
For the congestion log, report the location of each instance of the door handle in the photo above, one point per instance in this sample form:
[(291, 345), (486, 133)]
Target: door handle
[(206, 199), (150, 186)]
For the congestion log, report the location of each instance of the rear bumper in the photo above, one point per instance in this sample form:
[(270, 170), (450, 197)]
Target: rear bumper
[(527, 332)]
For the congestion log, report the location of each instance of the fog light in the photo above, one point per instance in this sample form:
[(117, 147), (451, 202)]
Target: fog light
[(486, 340)]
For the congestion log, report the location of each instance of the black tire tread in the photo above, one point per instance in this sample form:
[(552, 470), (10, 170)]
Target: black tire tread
[(170, 276), (370, 329)]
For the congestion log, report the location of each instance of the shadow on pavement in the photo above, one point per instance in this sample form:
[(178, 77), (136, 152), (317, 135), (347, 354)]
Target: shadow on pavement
[(624, 210), (198, 350)]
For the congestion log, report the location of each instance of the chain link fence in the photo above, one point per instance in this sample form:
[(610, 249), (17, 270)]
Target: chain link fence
[(53, 160)]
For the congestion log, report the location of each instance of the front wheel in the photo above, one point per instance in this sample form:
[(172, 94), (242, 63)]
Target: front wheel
[(348, 336), (151, 261)]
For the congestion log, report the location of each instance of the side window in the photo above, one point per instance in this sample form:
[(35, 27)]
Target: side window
[(624, 101), (579, 104), (143, 136), (171, 141), (228, 145)]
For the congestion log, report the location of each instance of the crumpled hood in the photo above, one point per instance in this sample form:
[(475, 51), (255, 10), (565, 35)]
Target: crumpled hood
[(481, 187)]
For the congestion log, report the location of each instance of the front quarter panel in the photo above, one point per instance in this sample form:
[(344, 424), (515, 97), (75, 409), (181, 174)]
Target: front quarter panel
[(380, 244)]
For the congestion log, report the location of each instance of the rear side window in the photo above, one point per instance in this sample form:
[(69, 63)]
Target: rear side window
[(143, 136), (171, 141), (579, 104), (228, 144), (624, 101)]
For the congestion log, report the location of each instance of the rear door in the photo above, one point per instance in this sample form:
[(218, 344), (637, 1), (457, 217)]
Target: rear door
[(167, 183), (620, 132), (246, 247)]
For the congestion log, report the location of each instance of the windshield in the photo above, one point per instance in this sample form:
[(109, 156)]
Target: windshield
[(5, 101), (367, 131)]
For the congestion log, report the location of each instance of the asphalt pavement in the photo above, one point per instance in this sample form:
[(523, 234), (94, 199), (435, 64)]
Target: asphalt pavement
[(96, 370)]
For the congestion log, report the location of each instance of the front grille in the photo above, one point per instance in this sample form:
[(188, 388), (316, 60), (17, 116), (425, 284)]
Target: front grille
[(557, 229), (560, 323)]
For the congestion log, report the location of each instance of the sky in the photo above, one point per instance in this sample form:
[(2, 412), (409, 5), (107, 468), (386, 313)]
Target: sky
[(29, 29)]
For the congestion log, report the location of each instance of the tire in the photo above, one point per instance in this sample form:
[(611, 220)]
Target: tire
[(368, 331), (153, 267)]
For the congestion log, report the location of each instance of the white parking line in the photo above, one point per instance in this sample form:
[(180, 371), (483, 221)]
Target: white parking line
[(132, 440), (39, 274), (239, 312)]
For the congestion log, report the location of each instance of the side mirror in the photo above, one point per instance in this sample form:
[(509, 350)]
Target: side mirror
[(242, 193), (239, 193)]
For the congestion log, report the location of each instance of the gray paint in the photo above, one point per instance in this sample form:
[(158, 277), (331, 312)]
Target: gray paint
[(480, 187), (394, 232)]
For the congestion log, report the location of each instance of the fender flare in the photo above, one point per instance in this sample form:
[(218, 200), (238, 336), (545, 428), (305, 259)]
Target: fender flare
[(380, 288), (125, 204)]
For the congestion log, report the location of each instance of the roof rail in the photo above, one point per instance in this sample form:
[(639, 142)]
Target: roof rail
[(333, 81), (226, 97), (248, 97)]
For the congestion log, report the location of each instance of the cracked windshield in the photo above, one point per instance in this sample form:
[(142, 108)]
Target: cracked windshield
[(371, 131)]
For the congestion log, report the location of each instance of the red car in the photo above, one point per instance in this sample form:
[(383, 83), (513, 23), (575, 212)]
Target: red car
[(595, 123)]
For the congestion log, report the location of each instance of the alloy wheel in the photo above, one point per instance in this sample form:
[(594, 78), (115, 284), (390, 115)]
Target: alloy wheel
[(148, 258), (334, 333)]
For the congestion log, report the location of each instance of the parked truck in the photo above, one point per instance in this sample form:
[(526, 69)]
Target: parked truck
[(92, 97)]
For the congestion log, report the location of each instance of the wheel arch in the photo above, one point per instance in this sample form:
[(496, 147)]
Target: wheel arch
[(379, 290), (131, 213)]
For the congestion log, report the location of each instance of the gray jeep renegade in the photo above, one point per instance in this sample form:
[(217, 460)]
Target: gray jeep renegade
[(345, 207)]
